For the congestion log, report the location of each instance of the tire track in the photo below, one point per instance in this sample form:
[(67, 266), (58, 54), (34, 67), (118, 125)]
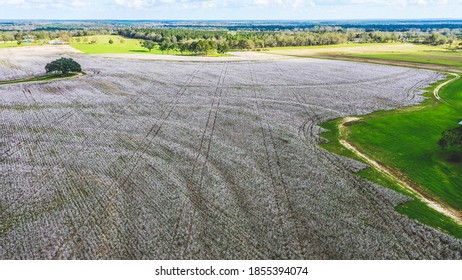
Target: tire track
[(194, 186), (341, 168), (277, 178)]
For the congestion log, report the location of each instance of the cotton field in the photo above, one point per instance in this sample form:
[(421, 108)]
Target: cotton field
[(198, 160)]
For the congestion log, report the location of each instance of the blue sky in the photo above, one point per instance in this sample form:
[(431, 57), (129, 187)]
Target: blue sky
[(230, 9)]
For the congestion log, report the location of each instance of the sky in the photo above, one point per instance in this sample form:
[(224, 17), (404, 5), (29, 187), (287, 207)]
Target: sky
[(230, 9)]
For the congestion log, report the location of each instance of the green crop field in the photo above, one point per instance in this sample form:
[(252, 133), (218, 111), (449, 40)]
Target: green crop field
[(8, 45), (15, 44), (442, 57), (406, 140), (388, 53), (101, 45)]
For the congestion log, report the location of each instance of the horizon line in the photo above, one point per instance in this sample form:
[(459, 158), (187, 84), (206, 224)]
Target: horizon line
[(305, 20)]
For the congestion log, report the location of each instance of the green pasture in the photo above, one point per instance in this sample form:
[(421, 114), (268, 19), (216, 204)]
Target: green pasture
[(101, 45), (442, 57), (15, 44), (406, 140)]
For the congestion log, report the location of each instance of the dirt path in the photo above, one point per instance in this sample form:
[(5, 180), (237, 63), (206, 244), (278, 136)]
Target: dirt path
[(439, 87), (395, 175)]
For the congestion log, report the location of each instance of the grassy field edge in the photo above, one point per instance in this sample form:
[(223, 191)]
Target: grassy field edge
[(415, 208), (44, 78)]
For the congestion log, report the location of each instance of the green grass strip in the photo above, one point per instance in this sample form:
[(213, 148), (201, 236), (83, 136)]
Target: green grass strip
[(39, 79), (406, 139), (443, 58)]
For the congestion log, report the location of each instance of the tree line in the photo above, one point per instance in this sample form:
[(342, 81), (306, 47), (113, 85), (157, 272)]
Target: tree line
[(203, 40), (218, 40)]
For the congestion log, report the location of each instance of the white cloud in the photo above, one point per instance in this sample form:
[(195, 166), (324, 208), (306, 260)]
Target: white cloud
[(12, 2), (130, 3), (79, 3), (397, 2), (44, 4)]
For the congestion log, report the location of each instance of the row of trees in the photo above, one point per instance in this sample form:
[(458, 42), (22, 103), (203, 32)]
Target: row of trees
[(312, 37), (245, 39), (197, 47)]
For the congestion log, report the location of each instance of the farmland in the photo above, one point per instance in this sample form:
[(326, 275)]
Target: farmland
[(406, 140), (198, 160), (419, 56), (100, 44)]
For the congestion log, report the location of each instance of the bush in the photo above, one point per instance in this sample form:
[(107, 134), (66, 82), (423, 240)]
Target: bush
[(63, 66)]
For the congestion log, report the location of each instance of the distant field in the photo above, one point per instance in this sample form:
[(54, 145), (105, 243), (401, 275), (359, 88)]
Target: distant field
[(120, 45), (442, 57), (401, 54), (8, 45), (353, 49), (102, 46), (14, 44)]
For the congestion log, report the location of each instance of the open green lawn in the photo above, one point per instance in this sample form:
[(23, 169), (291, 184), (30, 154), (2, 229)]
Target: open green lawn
[(407, 140), (8, 45), (15, 44), (120, 45), (386, 52), (443, 57)]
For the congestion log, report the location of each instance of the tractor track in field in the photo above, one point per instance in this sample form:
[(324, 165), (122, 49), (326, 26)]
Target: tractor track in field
[(194, 185), (200, 161), (277, 177), (331, 160)]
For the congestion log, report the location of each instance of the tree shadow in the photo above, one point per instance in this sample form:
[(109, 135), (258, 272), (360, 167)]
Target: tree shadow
[(138, 51)]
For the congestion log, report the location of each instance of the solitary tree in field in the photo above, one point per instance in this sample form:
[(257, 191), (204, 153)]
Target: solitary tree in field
[(452, 138), (63, 66), (148, 45), (111, 42)]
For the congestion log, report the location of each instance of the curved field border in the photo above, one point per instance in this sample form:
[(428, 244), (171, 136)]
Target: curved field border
[(442, 215), (45, 78)]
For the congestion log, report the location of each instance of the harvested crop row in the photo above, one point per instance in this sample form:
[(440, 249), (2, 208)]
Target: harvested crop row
[(182, 160)]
